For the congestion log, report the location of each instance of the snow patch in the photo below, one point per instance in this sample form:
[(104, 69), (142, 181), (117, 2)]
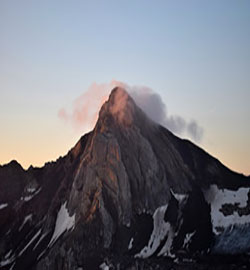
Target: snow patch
[(8, 259), (166, 250), (104, 266), (63, 223), (179, 197), (40, 240), (12, 267), (31, 189), (130, 245), (161, 231), (29, 197), (217, 198), (26, 219), (187, 239), (233, 240), (30, 242), (41, 254), (127, 224), (3, 205), (7, 255)]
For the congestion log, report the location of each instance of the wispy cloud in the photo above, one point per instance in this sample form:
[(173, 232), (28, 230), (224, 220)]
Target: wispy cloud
[(152, 104), (85, 108), (84, 113)]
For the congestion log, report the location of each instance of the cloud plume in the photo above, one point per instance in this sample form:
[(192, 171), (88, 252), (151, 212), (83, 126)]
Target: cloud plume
[(86, 107), (152, 104)]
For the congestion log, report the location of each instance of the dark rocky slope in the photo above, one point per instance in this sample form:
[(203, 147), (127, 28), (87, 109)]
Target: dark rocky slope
[(127, 191)]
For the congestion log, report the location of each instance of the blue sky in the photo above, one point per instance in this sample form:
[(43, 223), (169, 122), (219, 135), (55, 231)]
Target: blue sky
[(195, 54)]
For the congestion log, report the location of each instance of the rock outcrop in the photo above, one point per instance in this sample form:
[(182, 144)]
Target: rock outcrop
[(130, 188)]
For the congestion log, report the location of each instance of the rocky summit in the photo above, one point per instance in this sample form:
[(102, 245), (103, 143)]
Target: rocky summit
[(128, 195)]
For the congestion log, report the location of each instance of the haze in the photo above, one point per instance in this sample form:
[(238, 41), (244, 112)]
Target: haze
[(194, 54)]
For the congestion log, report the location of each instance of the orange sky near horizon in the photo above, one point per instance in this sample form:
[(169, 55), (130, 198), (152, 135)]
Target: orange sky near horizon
[(194, 54), (34, 143)]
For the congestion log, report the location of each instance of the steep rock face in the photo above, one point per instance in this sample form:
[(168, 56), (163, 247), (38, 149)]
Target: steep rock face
[(38, 193), (130, 187)]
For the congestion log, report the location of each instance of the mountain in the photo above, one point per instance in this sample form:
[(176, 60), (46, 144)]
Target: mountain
[(129, 194)]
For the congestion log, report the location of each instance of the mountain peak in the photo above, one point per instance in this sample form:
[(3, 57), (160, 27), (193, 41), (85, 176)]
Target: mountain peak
[(117, 91), (120, 106), (119, 99), (128, 189)]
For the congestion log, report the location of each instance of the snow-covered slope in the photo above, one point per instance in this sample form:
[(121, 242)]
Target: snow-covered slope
[(64, 222), (228, 207)]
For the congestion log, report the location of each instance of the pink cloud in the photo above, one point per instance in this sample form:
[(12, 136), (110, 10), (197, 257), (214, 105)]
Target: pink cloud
[(86, 107)]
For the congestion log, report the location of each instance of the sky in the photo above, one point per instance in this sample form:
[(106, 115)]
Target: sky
[(194, 54)]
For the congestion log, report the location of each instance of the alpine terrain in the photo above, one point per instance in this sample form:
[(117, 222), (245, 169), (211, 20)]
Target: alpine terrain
[(128, 195)]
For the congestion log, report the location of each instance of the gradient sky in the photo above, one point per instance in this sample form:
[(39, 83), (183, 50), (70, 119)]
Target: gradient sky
[(195, 54)]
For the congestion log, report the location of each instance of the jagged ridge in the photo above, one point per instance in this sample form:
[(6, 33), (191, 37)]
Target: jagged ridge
[(128, 187)]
